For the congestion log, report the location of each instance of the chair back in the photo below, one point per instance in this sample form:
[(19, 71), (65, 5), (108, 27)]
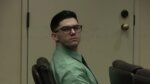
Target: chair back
[(122, 72), (36, 75), (142, 76), (138, 79), (118, 76), (126, 66), (44, 72), (144, 72)]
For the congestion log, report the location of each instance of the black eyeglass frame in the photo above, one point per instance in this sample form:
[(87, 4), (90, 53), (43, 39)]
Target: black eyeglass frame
[(67, 29)]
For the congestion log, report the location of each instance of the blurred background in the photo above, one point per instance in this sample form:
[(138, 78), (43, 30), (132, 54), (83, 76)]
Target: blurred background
[(117, 29)]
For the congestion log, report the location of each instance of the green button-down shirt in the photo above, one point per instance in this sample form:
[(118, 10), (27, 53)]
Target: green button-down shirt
[(68, 68)]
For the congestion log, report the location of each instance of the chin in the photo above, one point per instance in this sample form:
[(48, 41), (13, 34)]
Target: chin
[(74, 44)]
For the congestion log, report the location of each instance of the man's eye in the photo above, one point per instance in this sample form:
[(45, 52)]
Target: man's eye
[(65, 29), (76, 28)]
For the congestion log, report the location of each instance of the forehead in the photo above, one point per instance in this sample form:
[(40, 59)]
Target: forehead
[(68, 22)]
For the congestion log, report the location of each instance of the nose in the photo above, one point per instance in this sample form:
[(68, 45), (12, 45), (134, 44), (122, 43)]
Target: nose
[(73, 31)]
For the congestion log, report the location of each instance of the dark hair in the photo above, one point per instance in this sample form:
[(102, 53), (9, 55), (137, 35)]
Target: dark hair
[(61, 16)]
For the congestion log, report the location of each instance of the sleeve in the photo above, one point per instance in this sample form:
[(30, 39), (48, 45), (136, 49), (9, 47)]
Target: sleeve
[(74, 74)]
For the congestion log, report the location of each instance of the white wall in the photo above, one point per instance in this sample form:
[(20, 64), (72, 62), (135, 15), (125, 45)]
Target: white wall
[(10, 41), (144, 33)]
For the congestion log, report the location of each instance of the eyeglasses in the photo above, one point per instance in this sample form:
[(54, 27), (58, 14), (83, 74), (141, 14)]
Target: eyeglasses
[(67, 29)]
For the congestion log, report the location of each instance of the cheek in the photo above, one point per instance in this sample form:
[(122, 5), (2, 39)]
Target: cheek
[(62, 37), (79, 35)]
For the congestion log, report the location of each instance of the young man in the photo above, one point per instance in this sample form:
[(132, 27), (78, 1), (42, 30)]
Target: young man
[(67, 64)]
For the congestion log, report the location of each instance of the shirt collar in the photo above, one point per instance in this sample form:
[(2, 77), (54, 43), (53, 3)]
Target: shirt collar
[(73, 54)]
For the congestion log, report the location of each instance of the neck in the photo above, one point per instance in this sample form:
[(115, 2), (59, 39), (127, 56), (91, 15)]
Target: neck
[(72, 48)]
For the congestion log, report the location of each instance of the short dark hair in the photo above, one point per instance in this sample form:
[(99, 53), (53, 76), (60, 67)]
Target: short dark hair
[(61, 16)]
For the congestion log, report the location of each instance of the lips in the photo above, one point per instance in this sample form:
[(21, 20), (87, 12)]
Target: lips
[(74, 39)]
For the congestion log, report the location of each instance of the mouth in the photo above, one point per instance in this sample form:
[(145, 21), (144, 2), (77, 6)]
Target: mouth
[(74, 39)]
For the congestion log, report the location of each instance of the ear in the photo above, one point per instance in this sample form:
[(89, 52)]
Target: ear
[(54, 36)]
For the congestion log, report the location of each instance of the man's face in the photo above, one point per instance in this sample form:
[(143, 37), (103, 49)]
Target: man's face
[(68, 32)]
